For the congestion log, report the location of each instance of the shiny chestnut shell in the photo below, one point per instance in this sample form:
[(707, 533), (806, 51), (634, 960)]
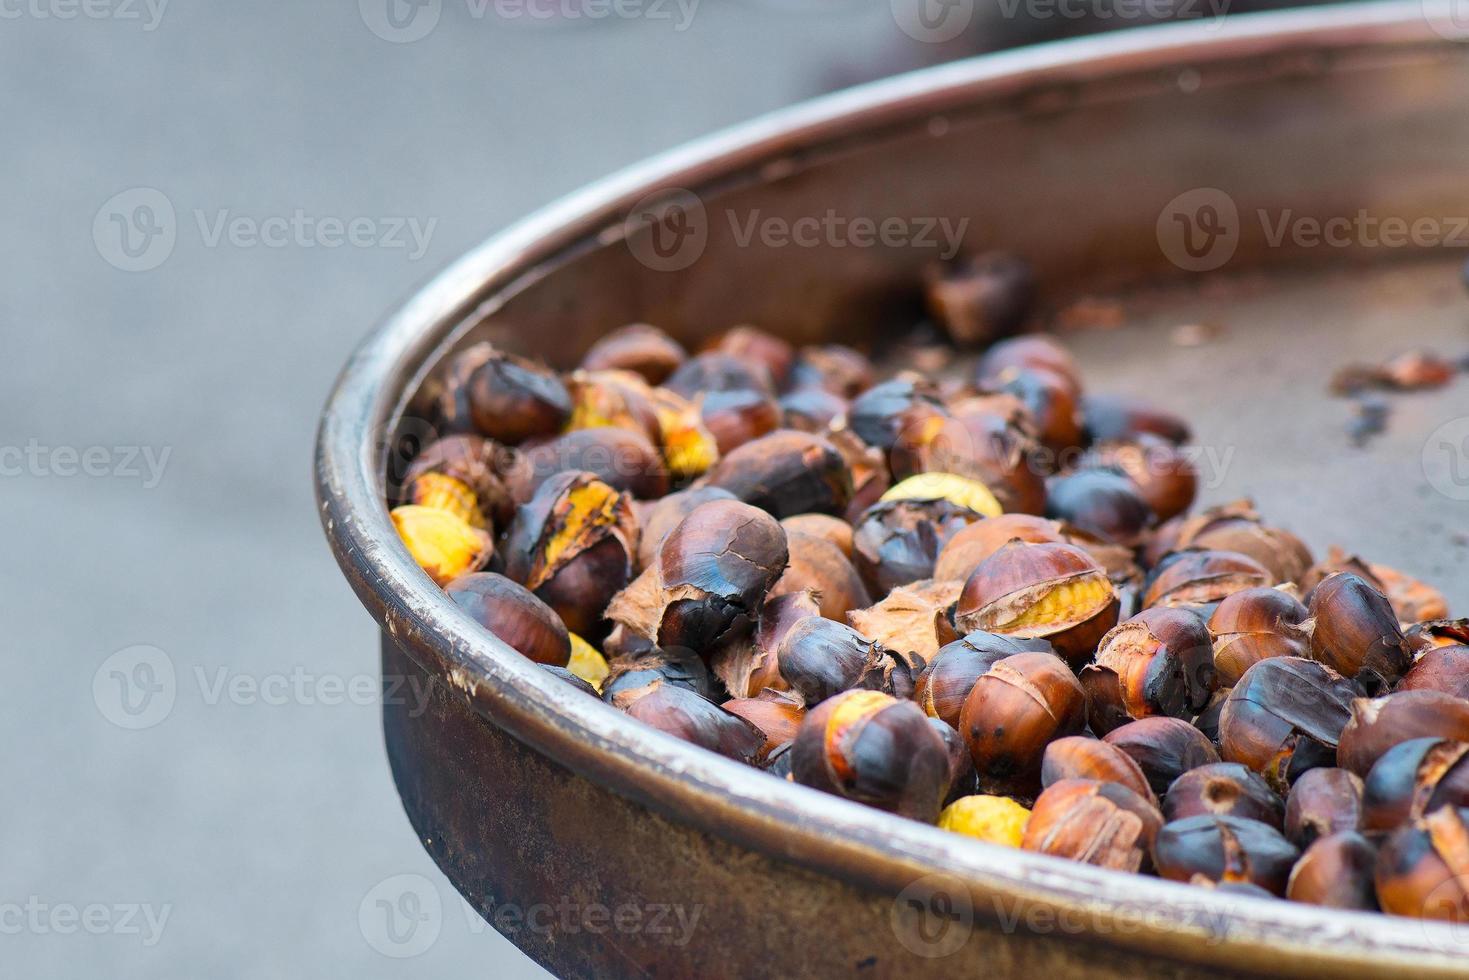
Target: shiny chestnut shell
[(684, 714), (1444, 669), (1356, 632), (1163, 748), (1423, 868), (1284, 717), (1223, 789), (1323, 801), (1253, 625), (1159, 662), (637, 347), (945, 683), (1101, 502), (514, 614), (1414, 778), (896, 542), (512, 399), (1225, 849), (1014, 710), (1376, 725), (1099, 823), (1084, 757), (1336, 871), (1200, 578), (786, 473)]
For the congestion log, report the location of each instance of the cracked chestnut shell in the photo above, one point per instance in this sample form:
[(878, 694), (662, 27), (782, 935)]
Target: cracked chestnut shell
[(1159, 662), (684, 714), (875, 749), (667, 513), (944, 684), (883, 414), (1055, 592), (1225, 849), (1324, 801), (897, 542), (913, 620), (512, 399), (637, 347), (820, 658), (1356, 632), (1084, 757), (471, 460), (1014, 710), (1103, 824), (749, 665), (1237, 527), (711, 576), (1336, 871), (1284, 717), (1101, 502), (1377, 724), (510, 611), (1444, 668), (786, 473), (1223, 789), (573, 545), (988, 440), (1201, 578), (1254, 625), (1414, 778), (1163, 748), (681, 668), (965, 550), (1423, 868)]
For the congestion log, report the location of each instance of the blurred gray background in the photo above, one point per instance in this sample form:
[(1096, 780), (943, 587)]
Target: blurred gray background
[(207, 206)]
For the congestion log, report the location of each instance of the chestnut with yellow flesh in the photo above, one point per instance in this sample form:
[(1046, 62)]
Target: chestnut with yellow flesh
[(587, 662), (1063, 605), (445, 545), (956, 489), (992, 819), (444, 492), (689, 448)]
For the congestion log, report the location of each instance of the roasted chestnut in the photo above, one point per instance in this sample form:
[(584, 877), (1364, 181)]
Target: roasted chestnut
[(1223, 789), (832, 529), (1030, 352), (811, 409), (623, 458), (1083, 757), (965, 550), (715, 371), (710, 577), (898, 541), (471, 461), (1105, 824), (875, 749), (962, 780), (1159, 662), (1414, 778), (681, 668), (786, 473), (1114, 418), (777, 715), (512, 399), (820, 658), (514, 614), (1015, 709), (1052, 402), (982, 298), (444, 544), (738, 416), (666, 513), (749, 664), (1055, 592), (944, 684), (1163, 474), (1444, 668), (684, 714), (1225, 849), (1423, 868), (1336, 871), (912, 620), (1253, 625), (834, 367), (1163, 748), (1378, 724), (637, 347), (1284, 717), (619, 399), (988, 440), (1356, 632), (573, 545), (1237, 527), (1101, 502), (992, 819), (883, 414), (816, 565), (755, 346), (1324, 801), (1201, 578)]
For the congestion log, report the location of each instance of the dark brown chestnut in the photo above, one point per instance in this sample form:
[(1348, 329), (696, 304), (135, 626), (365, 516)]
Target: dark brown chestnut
[(681, 668), (710, 577), (1442, 668), (624, 458), (749, 664), (875, 749), (982, 298), (1015, 709), (715, 371), (1414, 778), (1105, 824), (1324, 801), (1223, 789), (1356, 632), (896, 542), (786, 473), (1122, 418), (755, 346), (1378, 724), (684, 714), (1052, 402), (1084, 757), (1030, 352), (1101, 502), (1253, 625), (962, 779), (820, 658), (1336, 871), (637, 347), (573, 545), (1285, 717), (1055, 592), (666, 513), (834, 367), (811, 409), (1423, 868), (816, 565), (777, 714), (887, 413), (944, 684), (1201, 578), (510, 611), (1225, 849), (1164, 749), (512, 399), (1163, 474), (1159, 662)]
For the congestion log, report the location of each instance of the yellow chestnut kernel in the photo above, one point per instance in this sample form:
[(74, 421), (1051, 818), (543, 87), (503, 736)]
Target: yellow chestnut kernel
[(587, 662), (959, 490), (444, 492), (1074, 601), (444, 544), (994, 819), (689, 448)]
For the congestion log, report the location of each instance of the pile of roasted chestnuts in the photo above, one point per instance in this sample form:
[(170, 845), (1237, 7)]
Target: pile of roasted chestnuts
[(974, 596)]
